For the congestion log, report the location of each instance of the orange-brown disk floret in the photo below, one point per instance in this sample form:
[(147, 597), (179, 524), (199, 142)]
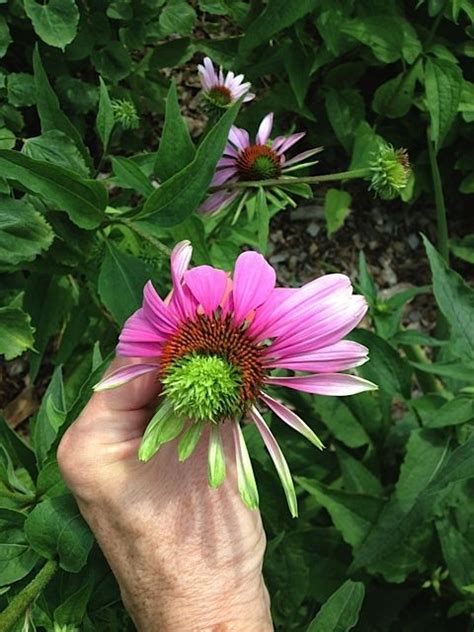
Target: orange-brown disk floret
[(219, 337), (257, 162)]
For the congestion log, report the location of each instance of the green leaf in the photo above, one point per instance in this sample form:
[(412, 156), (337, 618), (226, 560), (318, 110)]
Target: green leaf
[(464, 247), (112, 61), (366, 145), (341, 422), (49, 111), (356, 477), (176, 149), (177, 18), (340, 613), (21, 89), (456, 301), (54, 21), (83, 200), (5, 37), (55, 528), (353, 514), (276, 16), (346, 110), (16, 448), (179, 196), (121, 280), (336, 209), (50, 417), (386, 367), (390, 37), (57, 148), (105, 116), (16, 332), (130, 176), (17, 558), (366, 283), (394, 98), (24, 233), (443, 84), (458, 551)]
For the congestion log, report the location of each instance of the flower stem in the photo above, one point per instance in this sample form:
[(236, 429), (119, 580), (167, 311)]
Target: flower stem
[(428, 382), (19, 604), (441, 220), (327, 177)]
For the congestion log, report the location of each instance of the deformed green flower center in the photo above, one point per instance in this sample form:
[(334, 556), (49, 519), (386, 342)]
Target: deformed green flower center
[(203, 387), (220, 96), (390, 170)]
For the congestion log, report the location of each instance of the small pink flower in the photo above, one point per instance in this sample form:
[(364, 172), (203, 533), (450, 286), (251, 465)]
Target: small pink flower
[(264, 159), (221, 90), (214, 344)]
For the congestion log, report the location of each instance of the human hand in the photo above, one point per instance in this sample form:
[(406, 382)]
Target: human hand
[(186, 557)]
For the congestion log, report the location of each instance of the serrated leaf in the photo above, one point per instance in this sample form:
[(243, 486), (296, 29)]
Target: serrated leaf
[(340, 612), (55, 21), (83, 200), (5, 37), (346, 110), (24, 233), (176, 149), (443, 84), (56, 148), (16, 332), (179, 196)]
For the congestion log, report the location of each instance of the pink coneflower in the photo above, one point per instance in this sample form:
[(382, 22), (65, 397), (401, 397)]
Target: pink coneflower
[(262, 160), (213, 344), (221, 90)]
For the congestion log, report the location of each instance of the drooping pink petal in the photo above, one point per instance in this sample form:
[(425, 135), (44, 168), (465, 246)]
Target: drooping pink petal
[(253, 282), (302, 156), (217, 201), (223, 175), (341, 356), (289, 142), (249, 97), (207, 285), (325, 384), (124, 375), (278, 459), (292, 419), (265, 129)]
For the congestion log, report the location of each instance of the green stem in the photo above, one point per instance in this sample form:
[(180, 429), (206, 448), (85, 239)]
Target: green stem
[(20, 603), (441, 218), (144, 235), (327, 177), (427, 381)]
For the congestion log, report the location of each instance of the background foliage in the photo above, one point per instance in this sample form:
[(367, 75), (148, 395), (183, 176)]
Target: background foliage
[(90, 121)]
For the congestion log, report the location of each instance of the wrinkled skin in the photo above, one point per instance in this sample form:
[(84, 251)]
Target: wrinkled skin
[(186, 557)]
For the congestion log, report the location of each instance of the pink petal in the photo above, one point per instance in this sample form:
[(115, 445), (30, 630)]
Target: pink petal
[(223, 175), (230, 151), (302, 156), (123, 375), (211, 73), (217, 201), (264, 130), (264, 314), (292, 419), (239, 137), (225, 162), (338, 357), (300, 302), (325, 384), (254, 281), (156, 311), (208, 286), (249, 97), (290, 141), (229, 79), (278, 459), (180, 258)]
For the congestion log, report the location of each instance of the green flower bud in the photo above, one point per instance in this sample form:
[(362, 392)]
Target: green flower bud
[(390, 170), (125, 113)]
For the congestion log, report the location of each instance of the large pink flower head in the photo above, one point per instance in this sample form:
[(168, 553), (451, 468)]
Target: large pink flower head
[(214, 344), (261, 160), (222, 90)]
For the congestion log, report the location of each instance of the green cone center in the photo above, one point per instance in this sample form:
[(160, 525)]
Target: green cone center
[(220, 96), (203, 387)]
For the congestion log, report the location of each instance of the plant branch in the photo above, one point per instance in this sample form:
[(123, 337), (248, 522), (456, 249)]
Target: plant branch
[(20, 603), (160, 246), (327, 177), (441, 219)]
